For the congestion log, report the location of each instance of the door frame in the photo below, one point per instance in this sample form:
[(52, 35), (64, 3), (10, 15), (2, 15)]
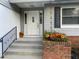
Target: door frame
[(42, 20)]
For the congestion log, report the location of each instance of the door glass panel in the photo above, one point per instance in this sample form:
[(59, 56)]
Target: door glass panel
[(25, 18), (33, 19), (40, 17)]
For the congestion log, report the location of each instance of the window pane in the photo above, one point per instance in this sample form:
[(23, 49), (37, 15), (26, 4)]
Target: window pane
[(70, 20), (57, 17), (70, 16), (68, 11), (33, 19)]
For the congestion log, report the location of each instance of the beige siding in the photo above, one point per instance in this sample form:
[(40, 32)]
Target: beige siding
[(69, 31), (13, 1), (47, 20), (5, 3), (8, 18)]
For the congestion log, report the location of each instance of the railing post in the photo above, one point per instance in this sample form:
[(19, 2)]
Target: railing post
[(16, 32), (5, 41), (2, 49)]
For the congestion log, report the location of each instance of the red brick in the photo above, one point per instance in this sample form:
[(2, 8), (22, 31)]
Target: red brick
[(74, 40), (59, 52)]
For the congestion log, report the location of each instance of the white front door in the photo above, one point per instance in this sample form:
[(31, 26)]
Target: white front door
[(33, 27)]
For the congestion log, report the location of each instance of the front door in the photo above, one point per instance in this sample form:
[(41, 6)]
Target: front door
[(33, 26)]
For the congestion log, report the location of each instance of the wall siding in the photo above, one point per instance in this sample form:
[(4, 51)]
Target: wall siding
[(8, 18), (69, 31), (15, 1), (22, 20), (0, 49), (48, 18), (7, 4), (47, 22)]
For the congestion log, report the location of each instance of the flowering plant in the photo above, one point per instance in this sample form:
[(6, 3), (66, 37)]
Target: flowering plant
[(55, 36), (21, 34)]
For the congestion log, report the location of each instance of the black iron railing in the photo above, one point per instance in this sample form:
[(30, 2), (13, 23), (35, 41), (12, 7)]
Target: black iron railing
[(7, 40)]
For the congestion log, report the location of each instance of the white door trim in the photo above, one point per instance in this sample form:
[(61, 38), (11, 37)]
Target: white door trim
[(40, 29)]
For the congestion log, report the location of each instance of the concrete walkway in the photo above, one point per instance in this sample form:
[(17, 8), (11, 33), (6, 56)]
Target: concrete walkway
[(26, 48)]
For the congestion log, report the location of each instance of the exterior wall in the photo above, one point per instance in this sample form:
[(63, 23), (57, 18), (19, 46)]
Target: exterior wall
[(58, 1), (48, 25), (55, 50), (72, 33), (49, 16), (69, 31), (10, 6), (74, 41), (22, 20), (8, 18), (28, 0), (0, 49)]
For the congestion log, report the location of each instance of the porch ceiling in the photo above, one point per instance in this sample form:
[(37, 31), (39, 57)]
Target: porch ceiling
[(31, 4), (40, 3)]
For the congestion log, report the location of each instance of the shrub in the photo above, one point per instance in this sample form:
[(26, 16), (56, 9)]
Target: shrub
[(55, 36)]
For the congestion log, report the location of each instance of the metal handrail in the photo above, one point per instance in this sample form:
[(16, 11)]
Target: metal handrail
[(8, 32), (8, 39)]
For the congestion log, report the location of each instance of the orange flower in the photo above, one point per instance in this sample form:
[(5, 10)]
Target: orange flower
[(57, 35), (62, 36), (50, 35), (47, 35)]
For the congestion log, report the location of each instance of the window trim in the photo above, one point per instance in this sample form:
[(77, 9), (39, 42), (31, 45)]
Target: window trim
[(67, 25)]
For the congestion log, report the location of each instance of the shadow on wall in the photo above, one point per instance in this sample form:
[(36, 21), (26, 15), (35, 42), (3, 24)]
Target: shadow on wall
[(75, 53)]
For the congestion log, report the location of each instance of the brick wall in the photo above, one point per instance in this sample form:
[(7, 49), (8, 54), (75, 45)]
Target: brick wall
[(75, 44), (56, 50), (74, 40)]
